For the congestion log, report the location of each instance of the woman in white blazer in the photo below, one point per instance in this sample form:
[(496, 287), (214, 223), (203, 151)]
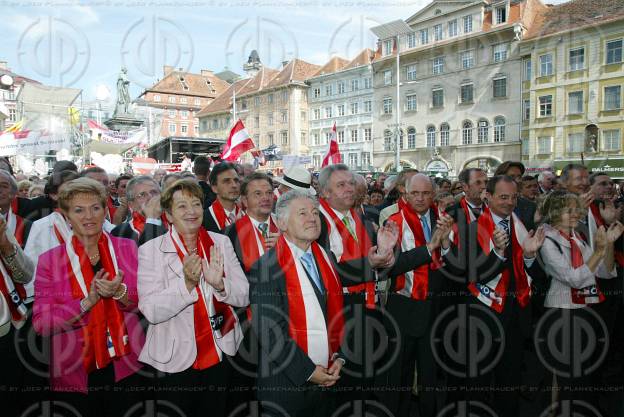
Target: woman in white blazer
[(188, 281), (570, 337)]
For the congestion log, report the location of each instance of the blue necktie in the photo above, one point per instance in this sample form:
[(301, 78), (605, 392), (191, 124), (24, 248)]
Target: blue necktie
[(426, 229), (308, 264), (504, 223)]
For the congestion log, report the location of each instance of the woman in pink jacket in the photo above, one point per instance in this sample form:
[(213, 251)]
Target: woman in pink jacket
[(189, 279), (86, 301)]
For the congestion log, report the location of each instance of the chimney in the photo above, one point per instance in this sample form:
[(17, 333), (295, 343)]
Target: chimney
[(284, 63), (206, 73), (167, 69)]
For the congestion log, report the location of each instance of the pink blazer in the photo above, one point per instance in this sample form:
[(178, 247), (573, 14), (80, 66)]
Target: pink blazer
[(54, 306), (168, 306)]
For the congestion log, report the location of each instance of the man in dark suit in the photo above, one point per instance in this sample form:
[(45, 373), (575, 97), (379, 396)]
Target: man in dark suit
[(146, 222), (298, 359), (362, 258), (201, 169), (412, 299), (224, 211), (525, 209), (494, 260)]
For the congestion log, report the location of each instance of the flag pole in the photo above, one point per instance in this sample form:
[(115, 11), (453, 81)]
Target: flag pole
[(234, 104)]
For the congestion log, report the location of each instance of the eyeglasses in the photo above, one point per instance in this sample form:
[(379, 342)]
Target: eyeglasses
[(148, 194)]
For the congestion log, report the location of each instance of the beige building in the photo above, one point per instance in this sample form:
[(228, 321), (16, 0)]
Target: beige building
[(460, 86), (272, 104), (180, 95), (573, 80)]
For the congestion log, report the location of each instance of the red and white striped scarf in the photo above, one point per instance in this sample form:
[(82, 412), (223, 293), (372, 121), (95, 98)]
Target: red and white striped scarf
[(590, 294), (15, 224), (347, 248), (105, 335), (62, 228), (317, 337), (251, 241), (413, 284), (218, 214), (494, 293), (212, 318), (137, 223)]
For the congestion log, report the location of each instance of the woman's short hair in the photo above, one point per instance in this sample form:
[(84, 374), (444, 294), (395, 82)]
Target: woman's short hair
[(83, 185), (555, 204), (186, 186)]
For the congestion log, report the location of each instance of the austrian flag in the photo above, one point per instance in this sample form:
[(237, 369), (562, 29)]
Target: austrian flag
[(333, 153), (238, 143)]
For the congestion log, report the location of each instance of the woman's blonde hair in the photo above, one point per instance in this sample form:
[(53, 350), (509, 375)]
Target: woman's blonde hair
[(186, 186), (83, 185), (554, 205)]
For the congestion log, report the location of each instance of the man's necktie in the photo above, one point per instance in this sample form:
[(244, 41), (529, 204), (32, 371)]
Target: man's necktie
[(504, 224), (308, 264), (347, 222), (232, 217), (263, 229), (476, 211), (426, 228)]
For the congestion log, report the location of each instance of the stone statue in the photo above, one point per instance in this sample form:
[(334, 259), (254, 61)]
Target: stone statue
[(591, 143), (123, 96)]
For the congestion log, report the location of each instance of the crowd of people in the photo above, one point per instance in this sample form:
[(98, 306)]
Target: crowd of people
[(224, 291)]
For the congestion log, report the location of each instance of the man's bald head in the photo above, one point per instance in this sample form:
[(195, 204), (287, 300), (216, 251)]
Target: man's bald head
[(419, 192)]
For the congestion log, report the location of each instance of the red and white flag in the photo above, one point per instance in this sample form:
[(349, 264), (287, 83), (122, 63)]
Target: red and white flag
[(238, 143), (333, 153)]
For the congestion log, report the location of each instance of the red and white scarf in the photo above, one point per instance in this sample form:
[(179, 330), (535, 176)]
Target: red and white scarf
[(62, 228), (251, 240), (590, 294), (317, 337), (137, 222), (469, 214), (494, 293), (346, 248), (110, 204), (105, 335), (212, 318), (15, 224), (218, 214), (14, 295), (413, 284)]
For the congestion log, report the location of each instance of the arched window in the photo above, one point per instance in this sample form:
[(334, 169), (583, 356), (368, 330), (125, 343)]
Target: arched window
[(411, 138), (387, 140), (499, 129), (445, 139), (431, 136), (467, 132), (483, 131), (400, 138)]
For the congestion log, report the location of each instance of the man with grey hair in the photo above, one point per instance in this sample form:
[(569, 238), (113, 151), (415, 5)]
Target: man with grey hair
[(146, 222), (546, 181), (399, 191), (361, 257), (297, 309)]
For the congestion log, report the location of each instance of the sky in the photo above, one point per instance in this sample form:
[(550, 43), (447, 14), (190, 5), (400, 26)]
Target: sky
[(84, 44)]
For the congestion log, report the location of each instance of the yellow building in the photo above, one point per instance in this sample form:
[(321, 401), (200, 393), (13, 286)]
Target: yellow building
[(573, 80)]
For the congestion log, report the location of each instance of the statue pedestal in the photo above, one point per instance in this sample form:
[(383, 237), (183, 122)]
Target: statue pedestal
[(123, 122)]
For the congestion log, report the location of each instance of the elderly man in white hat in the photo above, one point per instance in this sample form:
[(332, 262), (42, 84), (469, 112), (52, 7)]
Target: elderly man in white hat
[(296, 178)]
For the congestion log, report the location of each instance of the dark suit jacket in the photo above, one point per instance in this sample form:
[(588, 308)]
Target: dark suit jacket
[(525, 210), (36, 208), (209, 195), (356, 271), (209, 223), (150, 232), (414, 316), (283, 367)]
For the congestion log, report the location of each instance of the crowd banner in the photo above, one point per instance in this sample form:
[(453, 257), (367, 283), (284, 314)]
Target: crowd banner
[(33, 142)]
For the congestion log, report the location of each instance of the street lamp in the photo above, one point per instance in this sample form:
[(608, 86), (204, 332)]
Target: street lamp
[(102, 93), (394, 30)]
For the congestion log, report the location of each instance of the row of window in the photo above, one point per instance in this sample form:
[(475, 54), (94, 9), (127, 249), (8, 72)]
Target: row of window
[(341, 110), (466, 60), (183, 114), (340, 87), (270, 138), (354, 160), (612, 100), (611, 140), (283, 118), (269, 98), (354, 136), (437, 33), (466, 95), (184, 128), (176, 99), (576, 59), (442, 136)]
